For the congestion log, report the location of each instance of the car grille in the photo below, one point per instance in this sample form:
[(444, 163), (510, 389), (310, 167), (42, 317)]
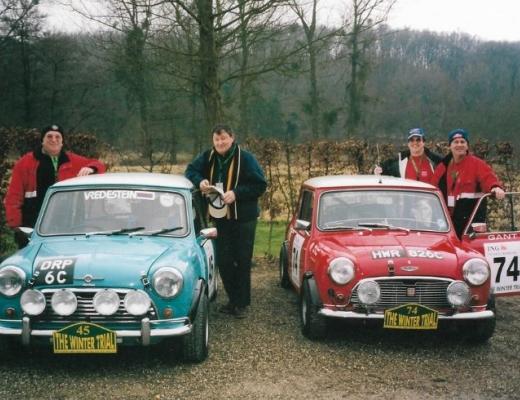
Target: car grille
[(86, 311), (395, 292)]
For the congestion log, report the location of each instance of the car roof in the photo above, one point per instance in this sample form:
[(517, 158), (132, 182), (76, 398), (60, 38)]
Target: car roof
[(128, 178), (353, 181)]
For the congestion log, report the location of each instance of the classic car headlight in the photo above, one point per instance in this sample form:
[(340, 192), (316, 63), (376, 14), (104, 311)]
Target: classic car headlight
[(475, 271), (368, 292), (137, 302), (11, 280), (106, 302), (341, 270), (64, 302), (458, 294), (167, 282), (32, 302)]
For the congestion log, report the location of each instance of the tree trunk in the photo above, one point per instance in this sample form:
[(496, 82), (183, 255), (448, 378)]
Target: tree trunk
[(209, 81)]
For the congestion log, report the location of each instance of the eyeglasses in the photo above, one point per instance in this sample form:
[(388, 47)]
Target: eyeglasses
[(415, 139)]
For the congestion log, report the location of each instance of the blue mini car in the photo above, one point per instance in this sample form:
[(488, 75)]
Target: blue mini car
[(114, 259)]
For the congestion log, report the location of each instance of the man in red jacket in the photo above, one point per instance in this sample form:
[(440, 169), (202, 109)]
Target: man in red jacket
[(35, 172), (463, 178)]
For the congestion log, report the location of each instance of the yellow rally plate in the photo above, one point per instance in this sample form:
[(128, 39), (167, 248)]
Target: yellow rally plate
[(84, 337), (411, 316)]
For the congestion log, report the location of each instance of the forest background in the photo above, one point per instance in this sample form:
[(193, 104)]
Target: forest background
[(145, 88)]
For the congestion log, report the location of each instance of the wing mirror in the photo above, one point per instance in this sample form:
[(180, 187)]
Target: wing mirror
[(301, 225), (479, 227), (27, 231), (209, 233)]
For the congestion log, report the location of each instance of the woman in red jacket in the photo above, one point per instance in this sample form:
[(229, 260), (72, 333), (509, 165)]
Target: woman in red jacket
[(463, 178), (35, 172)]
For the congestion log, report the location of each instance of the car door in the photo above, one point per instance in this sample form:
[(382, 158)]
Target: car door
[(494, 231), (199, 223), (299, 235)]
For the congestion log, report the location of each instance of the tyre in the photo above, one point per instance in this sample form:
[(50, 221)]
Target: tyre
[(313, 325), (195, 344), (481, 331), (284, 268), (215, 287)]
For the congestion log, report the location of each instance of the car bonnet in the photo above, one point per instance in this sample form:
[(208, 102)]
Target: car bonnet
[(107, 261), (403, 254)]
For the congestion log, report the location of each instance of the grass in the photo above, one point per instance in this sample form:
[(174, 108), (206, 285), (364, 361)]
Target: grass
[(262, 239)]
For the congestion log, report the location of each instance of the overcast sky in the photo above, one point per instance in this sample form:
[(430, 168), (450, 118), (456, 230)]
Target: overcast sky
[(486, 19)]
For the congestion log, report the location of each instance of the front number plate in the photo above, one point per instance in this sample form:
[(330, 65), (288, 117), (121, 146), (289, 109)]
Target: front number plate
[(411, 316), (84, 337)]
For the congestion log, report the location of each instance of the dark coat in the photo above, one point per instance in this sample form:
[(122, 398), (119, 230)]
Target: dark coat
[(250, 186)]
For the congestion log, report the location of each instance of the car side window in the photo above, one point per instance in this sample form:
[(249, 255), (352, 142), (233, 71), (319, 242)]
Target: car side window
[(305, 212), (199, 211), (498, 215)]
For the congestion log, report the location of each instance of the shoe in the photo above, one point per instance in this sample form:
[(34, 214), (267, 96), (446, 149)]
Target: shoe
[(240, 312), (228, 308)]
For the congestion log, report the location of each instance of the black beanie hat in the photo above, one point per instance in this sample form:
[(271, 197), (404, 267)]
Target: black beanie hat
[(49, 128)]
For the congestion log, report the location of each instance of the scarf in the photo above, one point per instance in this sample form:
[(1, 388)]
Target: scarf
[(226, 169)]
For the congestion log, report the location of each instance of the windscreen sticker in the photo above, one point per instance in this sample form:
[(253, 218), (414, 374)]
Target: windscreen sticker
[(55, 271), (503, 260), (118, 194), (166, 200)]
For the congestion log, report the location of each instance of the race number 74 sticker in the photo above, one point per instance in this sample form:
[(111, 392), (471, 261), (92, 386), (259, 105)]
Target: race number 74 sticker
[(503, 260), (55, 271)]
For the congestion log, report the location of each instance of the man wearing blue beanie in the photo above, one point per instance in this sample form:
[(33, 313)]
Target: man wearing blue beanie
[(463, 178)]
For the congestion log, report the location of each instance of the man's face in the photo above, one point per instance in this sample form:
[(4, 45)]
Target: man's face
[(222, 142), (52, 143), (459, 147), (416, 145)]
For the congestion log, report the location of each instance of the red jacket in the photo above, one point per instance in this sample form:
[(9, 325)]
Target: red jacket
[(473, 178), (22, 202), (462, 184)]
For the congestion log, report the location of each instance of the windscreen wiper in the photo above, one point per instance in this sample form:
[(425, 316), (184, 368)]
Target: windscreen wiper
[(342, 225), (160, 231), (116, 231), (382, 226)]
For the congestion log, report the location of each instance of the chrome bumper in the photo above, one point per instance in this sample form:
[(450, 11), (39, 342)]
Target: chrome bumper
[(486, 314), (148, 330)]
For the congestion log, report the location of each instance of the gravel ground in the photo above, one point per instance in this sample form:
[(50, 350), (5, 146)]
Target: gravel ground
[(265, 357)]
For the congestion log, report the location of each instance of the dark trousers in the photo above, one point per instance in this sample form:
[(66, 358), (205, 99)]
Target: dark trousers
[(235, 243)]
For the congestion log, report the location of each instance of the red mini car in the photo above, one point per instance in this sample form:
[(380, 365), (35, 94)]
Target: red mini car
[(383, 248)]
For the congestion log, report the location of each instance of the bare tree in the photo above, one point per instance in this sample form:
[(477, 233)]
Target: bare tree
[(315, 39), (21, 21), (364, 17), (13, 14)]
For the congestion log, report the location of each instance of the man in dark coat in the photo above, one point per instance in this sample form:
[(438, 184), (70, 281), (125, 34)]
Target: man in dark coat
[(235, 174)]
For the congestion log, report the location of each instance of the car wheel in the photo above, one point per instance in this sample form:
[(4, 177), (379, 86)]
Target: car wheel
[(481, 331), (195, 344), (313, 325), (214, 293), (283, 268)]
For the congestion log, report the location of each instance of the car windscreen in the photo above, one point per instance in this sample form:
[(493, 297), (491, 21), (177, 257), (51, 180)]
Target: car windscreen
[(402, 209), (105, 210)]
